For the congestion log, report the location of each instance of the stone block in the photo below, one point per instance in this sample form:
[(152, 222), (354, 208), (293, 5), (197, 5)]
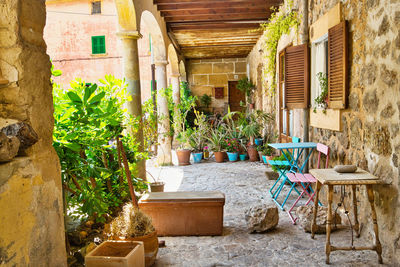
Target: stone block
[(200, 79), (223, 67), (200, 90), (377, 138), (240, 67), (218, 80), (9, 147), (235, 77), (261, 218), (305, 216), (230, 59), (212, 60), (200, 68)]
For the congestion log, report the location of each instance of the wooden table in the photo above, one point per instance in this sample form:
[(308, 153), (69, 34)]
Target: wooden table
[(331, 178)]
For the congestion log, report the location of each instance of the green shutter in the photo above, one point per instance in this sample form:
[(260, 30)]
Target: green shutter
[(98, 45)]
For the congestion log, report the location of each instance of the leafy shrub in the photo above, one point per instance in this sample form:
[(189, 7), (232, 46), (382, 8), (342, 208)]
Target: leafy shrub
[(88, 118)]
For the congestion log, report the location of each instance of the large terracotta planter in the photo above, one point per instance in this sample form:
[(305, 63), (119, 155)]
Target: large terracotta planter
[(253, 153), (219, 156), (117, 253), (183, 157), (150, 243)]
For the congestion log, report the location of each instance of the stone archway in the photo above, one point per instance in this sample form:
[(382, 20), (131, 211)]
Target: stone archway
[(182, 71), (148, 21)]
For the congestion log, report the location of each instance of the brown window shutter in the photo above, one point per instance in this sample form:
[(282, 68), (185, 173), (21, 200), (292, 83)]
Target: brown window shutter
[(337, 66), (297, 76)]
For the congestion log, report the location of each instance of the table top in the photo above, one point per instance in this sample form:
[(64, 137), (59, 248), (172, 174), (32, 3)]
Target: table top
[(293, 145), (331, 177)]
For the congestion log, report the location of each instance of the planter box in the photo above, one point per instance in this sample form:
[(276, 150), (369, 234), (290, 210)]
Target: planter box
[(116, 254), (185, 213)]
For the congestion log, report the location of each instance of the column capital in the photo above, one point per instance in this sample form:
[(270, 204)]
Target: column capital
[(161, 63), (129, 35)]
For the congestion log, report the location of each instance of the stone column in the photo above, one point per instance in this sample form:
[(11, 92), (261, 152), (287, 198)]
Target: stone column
[(176, 88), (130, 59), (164, 156)]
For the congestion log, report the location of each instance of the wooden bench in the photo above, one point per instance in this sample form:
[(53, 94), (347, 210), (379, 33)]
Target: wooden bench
[(185, 213)]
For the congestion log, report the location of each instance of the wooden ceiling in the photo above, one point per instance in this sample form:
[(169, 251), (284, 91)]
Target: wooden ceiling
[(214, 28)]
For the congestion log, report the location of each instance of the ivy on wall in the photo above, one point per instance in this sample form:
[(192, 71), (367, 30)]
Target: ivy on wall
[(279, 24)]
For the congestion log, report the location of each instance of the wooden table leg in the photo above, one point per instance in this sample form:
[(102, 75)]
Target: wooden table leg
[(356, 224), (378, 246), (328, 224), (314, 221)]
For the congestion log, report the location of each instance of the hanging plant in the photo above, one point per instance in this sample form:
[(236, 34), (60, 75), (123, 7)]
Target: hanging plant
[(322, 99), (280, 23)]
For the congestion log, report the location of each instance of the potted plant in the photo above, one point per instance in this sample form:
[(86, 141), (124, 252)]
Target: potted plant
[(267, 153), (182, 135), (242, 150), (217, 142), (133, 225), (232, 148), (247, 87), (197, 145), (198, 136), (157, 185), (322, 99), (206, 152), (205, 100)]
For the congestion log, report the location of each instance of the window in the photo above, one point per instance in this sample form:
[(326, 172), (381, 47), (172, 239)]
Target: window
[(96, 7), (98, 45), (285, 114), (319, 63)]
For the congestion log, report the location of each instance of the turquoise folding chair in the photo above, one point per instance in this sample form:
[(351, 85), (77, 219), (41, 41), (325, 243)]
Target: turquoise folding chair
[(283, 166)]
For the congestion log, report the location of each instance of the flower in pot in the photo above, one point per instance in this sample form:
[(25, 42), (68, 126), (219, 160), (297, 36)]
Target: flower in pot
[(216, 143), (133, 225), (206, 152), (232, 148)]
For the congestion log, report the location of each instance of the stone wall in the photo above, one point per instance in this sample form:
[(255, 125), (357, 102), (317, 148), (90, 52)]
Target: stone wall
[(370, 137), (205, 74), (31, 214)]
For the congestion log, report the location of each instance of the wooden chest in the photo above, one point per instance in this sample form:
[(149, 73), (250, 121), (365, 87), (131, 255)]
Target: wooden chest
[(185, 213)]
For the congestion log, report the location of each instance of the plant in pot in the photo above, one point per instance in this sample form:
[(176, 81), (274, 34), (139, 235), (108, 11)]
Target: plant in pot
[(242, 150), (182, 135), (260, 152), (322, 99), (268, 153), (232, 148), (133, 225), (217, 144), (197, 138), (157, 185), (251, 130), (247, 87), (205, 101)]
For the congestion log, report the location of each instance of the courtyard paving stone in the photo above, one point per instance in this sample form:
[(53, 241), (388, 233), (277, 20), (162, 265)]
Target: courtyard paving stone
[(245, 184)]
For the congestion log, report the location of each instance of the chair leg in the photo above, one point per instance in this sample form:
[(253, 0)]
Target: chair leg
[(294, 204)]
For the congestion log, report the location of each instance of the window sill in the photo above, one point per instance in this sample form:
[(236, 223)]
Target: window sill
[(331, 120), (99, 55)]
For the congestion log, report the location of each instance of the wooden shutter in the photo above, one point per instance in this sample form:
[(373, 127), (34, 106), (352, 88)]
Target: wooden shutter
[(337, 66), (297, 76)]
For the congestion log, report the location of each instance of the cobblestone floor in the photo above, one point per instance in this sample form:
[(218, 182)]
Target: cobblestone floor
[(245, 184)]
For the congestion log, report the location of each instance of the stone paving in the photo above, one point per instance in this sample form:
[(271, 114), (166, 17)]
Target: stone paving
[(245, 184)]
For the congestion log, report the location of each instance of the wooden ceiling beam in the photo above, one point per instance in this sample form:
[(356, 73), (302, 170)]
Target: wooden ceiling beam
[(213, 4), (210, 11), (225, 17), (213, 25)]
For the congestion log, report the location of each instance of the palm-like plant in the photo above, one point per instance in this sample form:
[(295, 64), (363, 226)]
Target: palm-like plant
[(216, 140)]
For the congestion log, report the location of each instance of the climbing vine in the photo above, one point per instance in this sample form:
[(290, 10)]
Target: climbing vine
[(279, 24)]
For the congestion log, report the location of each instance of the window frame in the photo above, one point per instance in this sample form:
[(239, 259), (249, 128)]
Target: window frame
[(93, 7)]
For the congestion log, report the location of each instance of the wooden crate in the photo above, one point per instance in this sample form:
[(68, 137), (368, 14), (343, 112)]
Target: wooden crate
[(185, 213)]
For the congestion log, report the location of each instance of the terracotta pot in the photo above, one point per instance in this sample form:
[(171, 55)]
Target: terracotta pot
[(150, 243), (253, 153), (183, 157), (219, 156), (157, 187)]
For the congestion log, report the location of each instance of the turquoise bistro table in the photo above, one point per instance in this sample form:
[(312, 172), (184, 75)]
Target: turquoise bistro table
[(291, 164)]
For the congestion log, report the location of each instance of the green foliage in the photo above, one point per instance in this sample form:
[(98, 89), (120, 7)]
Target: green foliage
[(205, 100), (232, 145), (246, 86), (216, 139), (149, 121), (87, 120), (282, 157), (279, 24), (198, 138), (321, 100)]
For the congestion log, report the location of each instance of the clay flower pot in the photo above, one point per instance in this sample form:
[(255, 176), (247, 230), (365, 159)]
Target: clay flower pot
[(183, 157), (253, 153), (219, 156), (150, 243), (157, 187)]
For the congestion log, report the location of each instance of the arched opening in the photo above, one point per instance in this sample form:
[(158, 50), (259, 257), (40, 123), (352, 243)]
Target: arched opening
[(182, 71)]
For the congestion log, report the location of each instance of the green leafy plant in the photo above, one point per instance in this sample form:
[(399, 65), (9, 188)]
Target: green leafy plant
[(267, 150), (198, 138), (205, 100), (247, 87), (216, 140), (280, 23), (282, 157), (88, 118), (322, 99), (232, 145)]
